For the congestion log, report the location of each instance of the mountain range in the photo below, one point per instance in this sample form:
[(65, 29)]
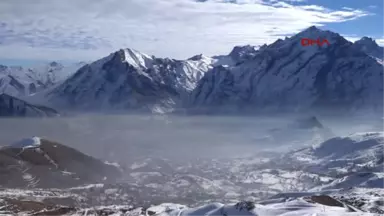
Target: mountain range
[(285, 75), (282, 76), (23, 81)]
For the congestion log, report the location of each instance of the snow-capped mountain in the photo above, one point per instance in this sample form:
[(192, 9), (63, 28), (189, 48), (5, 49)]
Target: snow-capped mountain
[(281, 76), (369, 46), (287, 75), (11, 106), (130, 79), (19, 81), (14, 82), (53, 73)]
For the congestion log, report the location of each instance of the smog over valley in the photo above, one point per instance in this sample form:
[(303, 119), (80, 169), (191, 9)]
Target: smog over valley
[(191, 107)]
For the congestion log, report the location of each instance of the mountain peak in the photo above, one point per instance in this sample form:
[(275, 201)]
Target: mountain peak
[(367, 38), (314, 31), (367, 41), (238, 49), (196, 57), (240, 52), (134, 57), (313, 28), (369, 46), (200, 57), (53, 64)]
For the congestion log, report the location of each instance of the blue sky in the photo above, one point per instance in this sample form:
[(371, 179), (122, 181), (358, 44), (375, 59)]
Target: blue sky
[(33, 32), (370, 25)]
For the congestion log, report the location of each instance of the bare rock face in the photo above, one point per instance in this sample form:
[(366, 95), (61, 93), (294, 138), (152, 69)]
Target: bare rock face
[(51, 165), (326, 200)]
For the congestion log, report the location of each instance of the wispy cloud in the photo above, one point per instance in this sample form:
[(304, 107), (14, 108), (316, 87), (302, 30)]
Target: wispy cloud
[(88, 29)]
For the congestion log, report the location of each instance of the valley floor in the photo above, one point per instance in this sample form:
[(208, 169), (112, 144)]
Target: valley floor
[(342, 175)]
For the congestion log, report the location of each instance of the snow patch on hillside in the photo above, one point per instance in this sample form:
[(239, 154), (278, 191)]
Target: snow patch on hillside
[(297, 207), (32, 142)]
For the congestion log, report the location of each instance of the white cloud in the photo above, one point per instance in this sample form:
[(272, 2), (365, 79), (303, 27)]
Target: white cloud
[(380, 41), (348, 8), (88, 29), (351, 38)]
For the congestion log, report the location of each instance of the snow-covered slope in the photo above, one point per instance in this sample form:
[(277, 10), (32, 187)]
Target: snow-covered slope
[(19, 81), (130, 79), (353, 161), (297, 207), (319, 205), (286, 75), (238, 55), (14, 82), (361, 152), (53, 73), (12, 106)]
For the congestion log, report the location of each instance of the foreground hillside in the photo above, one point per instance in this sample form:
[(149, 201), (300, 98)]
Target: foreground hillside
[(341, 176), (40, 163), (309, 205)]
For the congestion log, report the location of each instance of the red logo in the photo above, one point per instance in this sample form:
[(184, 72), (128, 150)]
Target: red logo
[(311, 42)]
